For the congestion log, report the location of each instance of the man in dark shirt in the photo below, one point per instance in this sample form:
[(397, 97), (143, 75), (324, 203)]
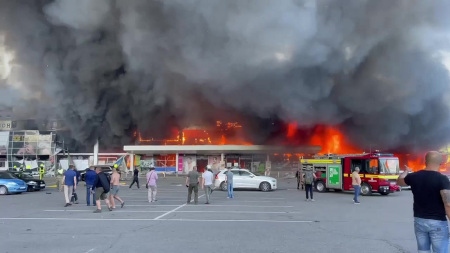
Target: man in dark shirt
[(90, 178), (135, 178), (192, 181), (102, 187), (431, 193)]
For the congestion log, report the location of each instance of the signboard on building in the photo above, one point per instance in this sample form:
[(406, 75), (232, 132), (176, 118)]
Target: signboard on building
[(189, 163), (214, 161), (7, 125), (25, 143)]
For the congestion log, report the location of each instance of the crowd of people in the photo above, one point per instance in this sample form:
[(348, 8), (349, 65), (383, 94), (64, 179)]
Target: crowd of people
[(99, 186), (103, 187), (431, 193)]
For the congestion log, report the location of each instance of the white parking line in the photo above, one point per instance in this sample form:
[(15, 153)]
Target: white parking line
[(145, 197), (116, 211), (133, 219), (254, 206), (150, 205), (169, 212), (247, 212), (253, 201), (159, 200), (172, 211), (268, 221)]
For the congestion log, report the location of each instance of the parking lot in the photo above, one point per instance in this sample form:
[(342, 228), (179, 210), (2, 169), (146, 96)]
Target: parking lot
[(279, 221)]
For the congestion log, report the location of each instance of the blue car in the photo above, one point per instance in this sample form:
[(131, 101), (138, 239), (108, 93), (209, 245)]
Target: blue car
[(11, 184)]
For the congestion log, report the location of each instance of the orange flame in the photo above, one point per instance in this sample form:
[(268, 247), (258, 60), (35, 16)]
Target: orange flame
[(413, 161), (332, 141), (291, 129), (417, 162)]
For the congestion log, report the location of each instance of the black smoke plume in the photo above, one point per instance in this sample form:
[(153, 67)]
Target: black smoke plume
[(373, 68)]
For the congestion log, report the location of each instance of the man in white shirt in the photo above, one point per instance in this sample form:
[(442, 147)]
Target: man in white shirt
[(207, 182)]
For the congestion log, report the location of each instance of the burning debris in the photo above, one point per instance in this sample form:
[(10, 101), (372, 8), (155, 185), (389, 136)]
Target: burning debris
[(372, 70)]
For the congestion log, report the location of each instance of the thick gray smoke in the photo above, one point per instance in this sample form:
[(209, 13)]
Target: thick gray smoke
[(374, 68)]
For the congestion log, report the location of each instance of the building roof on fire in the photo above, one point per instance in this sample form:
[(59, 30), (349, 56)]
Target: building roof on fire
[(218, 149)]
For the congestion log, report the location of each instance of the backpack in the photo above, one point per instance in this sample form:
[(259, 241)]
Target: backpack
[(104, 181), (309, 177)]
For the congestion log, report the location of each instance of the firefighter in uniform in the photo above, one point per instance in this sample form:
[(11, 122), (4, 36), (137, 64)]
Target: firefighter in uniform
[(41, 171)]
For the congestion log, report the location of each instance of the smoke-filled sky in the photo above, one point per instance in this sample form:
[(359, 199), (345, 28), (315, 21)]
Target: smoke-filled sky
[(375, 68)]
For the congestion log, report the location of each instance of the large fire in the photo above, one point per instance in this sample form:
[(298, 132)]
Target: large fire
[(223, 134), (329, 138), (332, 141), (417, 161)]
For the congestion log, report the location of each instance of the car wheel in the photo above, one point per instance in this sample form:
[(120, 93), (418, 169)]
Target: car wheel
[(366, 189), (223, 186), (29, 188), (3, 190), (264, 186)]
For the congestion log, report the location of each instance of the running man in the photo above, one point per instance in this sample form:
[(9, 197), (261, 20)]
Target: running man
[(135, 178), (102, 187), (114, 194)]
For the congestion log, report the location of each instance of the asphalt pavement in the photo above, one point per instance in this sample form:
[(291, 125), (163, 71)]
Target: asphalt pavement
[(278, 221)]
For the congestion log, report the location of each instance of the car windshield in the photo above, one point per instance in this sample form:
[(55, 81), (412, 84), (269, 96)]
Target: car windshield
[(389, 166), (27, 176), (6, 175), (245, 173)]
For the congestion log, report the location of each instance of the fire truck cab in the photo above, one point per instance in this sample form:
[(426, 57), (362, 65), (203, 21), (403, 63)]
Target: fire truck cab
[(378, 172)]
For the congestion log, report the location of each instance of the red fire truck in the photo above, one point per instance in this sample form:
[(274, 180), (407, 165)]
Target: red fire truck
[(378, 172)]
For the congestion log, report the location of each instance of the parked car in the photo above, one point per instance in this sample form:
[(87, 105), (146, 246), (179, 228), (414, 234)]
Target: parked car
[(244, 179), (33, 183), (11, 184), (107, 169)]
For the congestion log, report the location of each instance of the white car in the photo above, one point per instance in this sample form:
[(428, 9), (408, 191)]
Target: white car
[(244, 179)]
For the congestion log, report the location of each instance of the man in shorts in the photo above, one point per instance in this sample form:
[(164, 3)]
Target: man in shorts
[(102, 187), (114, 194)]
